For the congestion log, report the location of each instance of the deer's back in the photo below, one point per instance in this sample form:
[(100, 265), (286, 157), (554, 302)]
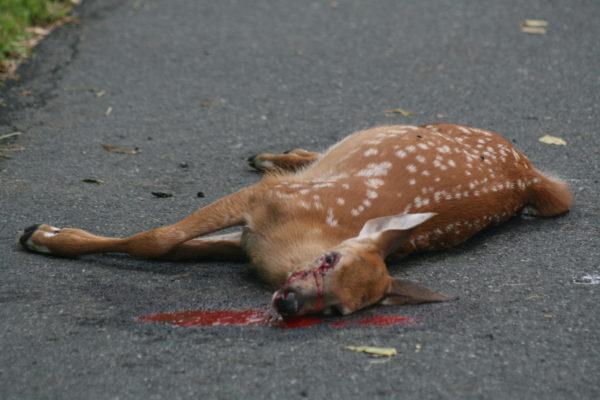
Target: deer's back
[(471, 178)]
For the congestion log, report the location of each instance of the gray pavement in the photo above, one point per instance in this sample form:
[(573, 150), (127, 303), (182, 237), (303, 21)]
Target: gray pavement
[(210, 83)]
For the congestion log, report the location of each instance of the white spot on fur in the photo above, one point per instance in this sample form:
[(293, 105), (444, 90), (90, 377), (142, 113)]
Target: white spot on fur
[(374, 183), (420, 159), (375, 169), (422, 146), (340, 201), (336, 177), (412, 181), (371, 152), (411, 168), (371, 194), (322, 185), (400, 154), (330, 218), (419, 202)]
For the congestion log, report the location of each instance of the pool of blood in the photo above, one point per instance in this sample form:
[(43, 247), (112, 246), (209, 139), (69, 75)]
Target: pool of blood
[(264, 318)]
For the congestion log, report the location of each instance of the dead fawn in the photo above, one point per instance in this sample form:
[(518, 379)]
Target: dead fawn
[(320, 226)]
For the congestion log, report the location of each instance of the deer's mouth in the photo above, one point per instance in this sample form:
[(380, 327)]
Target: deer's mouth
[(305, 288)]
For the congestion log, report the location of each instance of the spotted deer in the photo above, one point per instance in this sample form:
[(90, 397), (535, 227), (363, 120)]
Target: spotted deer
[(320, 226)]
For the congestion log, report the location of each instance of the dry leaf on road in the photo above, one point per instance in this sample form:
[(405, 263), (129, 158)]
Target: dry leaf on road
[(548, 139), (376, 351), (400, 111), (534, 26), (208, 103), (121, 150)]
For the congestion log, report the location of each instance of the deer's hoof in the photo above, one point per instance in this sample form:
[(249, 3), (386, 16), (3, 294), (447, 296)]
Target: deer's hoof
[(26, 238), (258, 163)]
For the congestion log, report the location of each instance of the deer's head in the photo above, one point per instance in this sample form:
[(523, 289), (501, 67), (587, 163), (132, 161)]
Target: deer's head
[(353, 275)]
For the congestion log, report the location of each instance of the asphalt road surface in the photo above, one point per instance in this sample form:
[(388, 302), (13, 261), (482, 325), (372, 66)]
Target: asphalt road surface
[(211, 83)]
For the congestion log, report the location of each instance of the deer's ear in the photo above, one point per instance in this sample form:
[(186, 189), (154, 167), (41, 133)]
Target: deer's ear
[(401, 291), (388, 233), (400, 222)]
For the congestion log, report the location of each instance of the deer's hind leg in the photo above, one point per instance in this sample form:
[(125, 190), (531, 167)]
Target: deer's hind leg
[(288, 161), (226, 247)]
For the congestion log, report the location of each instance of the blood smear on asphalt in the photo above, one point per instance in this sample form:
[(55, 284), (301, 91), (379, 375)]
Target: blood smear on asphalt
[(263, 318)]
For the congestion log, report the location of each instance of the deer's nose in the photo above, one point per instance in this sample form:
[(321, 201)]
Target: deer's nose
[(286, 302)]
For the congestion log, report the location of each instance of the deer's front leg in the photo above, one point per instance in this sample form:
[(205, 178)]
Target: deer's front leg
[(289, 161), (70, 242)]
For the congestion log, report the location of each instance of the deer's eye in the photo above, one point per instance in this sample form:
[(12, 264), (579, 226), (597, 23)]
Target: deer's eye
[(331, 259)]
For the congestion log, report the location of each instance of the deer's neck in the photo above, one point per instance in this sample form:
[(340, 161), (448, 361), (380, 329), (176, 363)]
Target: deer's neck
[(281, 247)]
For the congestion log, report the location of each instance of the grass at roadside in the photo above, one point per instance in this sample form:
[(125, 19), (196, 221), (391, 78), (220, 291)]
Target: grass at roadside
[(17, 21)]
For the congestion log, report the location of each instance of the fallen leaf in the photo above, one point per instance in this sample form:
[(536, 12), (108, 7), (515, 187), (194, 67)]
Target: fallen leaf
[(548, 316), (400, 111), (536, 23), (92, 180), (534, 26), (121, 150), (552, 140), (162, 195), (533, 30), (207, 103), (108, 111), (100, 93), (418, 347), (25, 93), (376, 351)]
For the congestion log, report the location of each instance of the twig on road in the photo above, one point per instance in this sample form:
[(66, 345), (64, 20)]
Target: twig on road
[(9, 135)]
